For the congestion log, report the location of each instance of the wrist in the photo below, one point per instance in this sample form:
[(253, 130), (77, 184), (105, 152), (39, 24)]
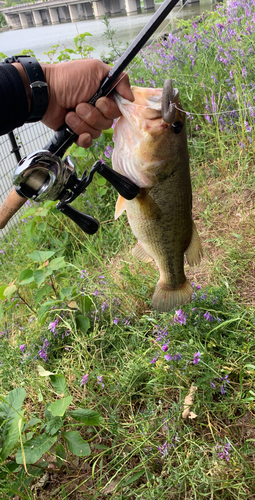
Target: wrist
[(36, 88)]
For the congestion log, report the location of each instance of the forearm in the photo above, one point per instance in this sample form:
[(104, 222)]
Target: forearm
[(14, 102)]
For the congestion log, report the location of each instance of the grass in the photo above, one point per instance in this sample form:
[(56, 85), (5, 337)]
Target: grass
[(140, 365)]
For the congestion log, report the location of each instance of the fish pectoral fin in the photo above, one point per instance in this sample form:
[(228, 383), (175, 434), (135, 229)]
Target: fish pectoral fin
[(140, 254), (148, 206), (194, 252), (166, 298), (120, 206)]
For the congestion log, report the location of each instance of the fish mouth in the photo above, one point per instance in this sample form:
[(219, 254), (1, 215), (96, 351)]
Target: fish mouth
[(150, 103)]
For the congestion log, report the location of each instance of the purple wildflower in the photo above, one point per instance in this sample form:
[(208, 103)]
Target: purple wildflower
[(208, 316), (196, 358), (165, 347), (116, 321), (22, 347), (168, 357), (84, 379), (154, 360), (223, 451), (53, 325), (212, 385), (83, 273), (180, 317), (100, 380), (108, 151), (43, 351)]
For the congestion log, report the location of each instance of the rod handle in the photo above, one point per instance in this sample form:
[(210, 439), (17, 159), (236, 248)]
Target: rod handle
[(63, 138), (12, 203)]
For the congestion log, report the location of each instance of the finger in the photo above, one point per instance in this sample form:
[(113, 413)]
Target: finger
[(108, 108), (92, 116), (85, 141), (123, 87), (80, 127)]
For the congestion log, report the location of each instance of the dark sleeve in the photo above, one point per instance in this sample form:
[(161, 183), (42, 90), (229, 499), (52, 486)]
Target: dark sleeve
[(13, 99)]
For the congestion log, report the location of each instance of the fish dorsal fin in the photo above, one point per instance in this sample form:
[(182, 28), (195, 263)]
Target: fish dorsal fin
[(120, 206)]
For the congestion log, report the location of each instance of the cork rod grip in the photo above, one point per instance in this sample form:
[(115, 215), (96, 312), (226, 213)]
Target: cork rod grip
[(10, 206)]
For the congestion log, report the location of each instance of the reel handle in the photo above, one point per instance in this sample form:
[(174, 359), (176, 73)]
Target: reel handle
[(12, 203), (124, 186), (87, 223)]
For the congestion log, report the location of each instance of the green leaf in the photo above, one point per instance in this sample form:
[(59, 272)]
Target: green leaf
[(2, 289), (82, 323), (40, 255), (133, 478), (59, 384), (76, 444), (60, 454), (57, 263), (42, 372), (9, 291), (11, 437), (87, 417), (59, 407), (42, 226), (39, 276), (252, 367), (12, 404), (66, 292), (109, 132), (26, 276), (44, 291), (101, 181), (35, 448), (86, 303), (53, 425)]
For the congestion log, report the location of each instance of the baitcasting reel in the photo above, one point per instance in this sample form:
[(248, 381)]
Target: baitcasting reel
[(44, 176)]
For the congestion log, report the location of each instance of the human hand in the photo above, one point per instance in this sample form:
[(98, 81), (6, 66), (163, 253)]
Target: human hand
[(71, 85)]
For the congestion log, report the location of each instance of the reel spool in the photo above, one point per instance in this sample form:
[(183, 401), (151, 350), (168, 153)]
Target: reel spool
[(44, 176)]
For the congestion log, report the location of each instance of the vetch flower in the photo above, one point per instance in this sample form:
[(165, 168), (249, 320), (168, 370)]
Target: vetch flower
[(223, 451), (208, 316), (196, 358), (53, 325), (154, 360), (168, 357), (180, 317), (22, 347), (116, 321), (84, 379), (100, 380)]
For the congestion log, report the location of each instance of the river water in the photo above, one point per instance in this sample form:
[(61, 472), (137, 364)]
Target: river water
[(41, 39)]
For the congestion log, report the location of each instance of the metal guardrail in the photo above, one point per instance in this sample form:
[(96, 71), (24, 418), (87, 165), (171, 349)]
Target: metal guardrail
[(22, 141)]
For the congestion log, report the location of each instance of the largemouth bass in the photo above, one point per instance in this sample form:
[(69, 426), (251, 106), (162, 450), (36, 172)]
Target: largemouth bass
[(151, 150)]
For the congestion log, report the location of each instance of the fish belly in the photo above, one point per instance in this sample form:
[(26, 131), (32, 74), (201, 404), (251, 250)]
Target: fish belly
[(162, 222)]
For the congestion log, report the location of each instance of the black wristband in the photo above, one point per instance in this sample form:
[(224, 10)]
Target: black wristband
[(39, 88)]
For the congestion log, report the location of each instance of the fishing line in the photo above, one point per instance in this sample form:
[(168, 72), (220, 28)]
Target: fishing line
[(154, 38), (216, 113)]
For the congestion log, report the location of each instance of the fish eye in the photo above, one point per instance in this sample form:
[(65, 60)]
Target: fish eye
[(177, 127)]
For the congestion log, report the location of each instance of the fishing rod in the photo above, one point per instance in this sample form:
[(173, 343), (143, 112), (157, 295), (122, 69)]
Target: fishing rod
[(43, 175)]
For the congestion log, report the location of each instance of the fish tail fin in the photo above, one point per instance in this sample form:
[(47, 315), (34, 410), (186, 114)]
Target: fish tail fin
[(140, 254), (194, 252), (165, 298)]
